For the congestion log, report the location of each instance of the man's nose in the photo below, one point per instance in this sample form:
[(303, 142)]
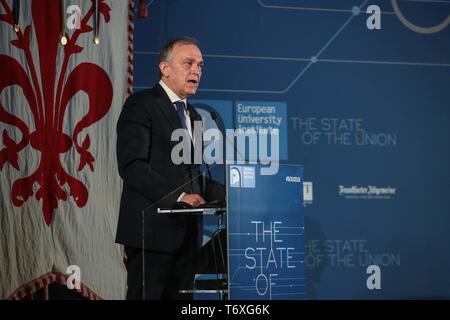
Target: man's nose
[(196, 69)]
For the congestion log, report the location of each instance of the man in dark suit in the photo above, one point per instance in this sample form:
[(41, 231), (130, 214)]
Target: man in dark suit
[(158, 246)]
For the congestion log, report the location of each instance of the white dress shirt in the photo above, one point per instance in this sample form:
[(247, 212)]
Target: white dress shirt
[(174, 98)]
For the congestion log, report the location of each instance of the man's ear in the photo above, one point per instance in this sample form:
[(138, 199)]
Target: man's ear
[(164, 68)]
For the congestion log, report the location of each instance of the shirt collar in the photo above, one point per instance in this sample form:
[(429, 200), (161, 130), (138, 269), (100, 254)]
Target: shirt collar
[(172, 95)]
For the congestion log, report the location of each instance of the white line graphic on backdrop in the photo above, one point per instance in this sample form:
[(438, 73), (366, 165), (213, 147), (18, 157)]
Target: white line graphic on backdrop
[(315, 59), (262, 4), (416, 28)]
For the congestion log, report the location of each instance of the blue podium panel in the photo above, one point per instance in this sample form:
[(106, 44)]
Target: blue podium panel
[(265, 233)]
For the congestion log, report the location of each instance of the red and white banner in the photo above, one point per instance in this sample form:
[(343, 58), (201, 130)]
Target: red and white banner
[(59, 105)]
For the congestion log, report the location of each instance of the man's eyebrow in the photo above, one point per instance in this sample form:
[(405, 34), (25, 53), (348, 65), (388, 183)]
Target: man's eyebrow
[(192, 60), (188, 59)]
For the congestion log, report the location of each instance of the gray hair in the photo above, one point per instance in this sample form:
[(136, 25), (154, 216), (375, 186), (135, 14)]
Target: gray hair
[(166, 51)]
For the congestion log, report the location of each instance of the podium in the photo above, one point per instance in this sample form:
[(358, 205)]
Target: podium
[(257, 252), (211, 260), (265, 229)]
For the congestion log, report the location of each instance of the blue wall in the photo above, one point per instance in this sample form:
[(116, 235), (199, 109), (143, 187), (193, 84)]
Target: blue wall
[(372, 109)]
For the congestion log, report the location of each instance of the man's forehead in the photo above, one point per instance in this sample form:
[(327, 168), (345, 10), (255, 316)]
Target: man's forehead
[(187, 49)]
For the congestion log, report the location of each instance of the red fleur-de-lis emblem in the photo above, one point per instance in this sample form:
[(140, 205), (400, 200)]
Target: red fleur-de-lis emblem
[(48, 95)]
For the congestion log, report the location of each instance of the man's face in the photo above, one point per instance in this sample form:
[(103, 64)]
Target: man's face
[(183, 70)]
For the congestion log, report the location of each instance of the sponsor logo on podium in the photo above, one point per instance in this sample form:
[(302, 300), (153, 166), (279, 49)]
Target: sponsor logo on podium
[(242, 177)]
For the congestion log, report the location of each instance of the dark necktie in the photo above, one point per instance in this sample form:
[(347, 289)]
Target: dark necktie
[(181, 115), (193, 170)]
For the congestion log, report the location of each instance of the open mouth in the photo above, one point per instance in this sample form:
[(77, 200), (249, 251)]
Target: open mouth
[(193, 81)]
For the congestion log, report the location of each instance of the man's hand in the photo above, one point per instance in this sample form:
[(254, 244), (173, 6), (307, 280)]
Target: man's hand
[(193, 199)]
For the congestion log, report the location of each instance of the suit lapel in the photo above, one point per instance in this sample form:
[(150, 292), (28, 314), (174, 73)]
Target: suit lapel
[(194, 115), (169, 111), (167, 108)]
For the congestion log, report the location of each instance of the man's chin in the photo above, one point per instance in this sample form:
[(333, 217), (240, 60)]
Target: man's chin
[(191, 92)]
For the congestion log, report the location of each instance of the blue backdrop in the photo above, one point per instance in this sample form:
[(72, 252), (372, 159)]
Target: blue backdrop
[(366, 114)]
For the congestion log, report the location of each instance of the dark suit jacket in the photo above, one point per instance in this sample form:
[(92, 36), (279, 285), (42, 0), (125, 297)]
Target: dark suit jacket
[(150, 178)]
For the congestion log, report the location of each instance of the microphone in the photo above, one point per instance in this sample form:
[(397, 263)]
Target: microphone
[(204, 179), (236, 151), (207, 165), (215, 117)]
